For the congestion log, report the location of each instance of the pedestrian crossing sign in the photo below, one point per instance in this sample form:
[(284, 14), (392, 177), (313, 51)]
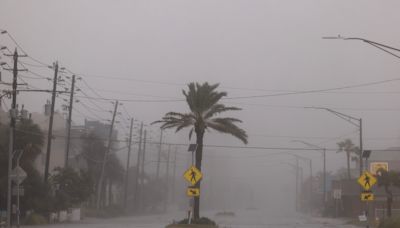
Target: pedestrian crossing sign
[(367, 180), (193, 192), (193, 175)]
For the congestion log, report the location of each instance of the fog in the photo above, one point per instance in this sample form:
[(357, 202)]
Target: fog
[(144, 52)]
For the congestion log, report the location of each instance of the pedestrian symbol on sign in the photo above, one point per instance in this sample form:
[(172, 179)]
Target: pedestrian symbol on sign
[(193, 175), (366, 180)]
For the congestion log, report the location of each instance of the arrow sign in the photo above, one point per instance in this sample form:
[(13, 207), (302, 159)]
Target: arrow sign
[(367, 196), (18, 175), (192, 192)]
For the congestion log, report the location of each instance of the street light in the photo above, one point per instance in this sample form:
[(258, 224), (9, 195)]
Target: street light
[(352, 120), (372, 43), (323, 150)]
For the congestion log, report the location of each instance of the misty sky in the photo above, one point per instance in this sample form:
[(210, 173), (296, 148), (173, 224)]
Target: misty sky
[(148, 50)]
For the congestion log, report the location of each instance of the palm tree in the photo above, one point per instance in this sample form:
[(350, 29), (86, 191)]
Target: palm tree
[(348, 147), (93, 154), (203, 101)]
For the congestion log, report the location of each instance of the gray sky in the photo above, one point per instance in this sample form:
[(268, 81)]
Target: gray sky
[(148, 50)]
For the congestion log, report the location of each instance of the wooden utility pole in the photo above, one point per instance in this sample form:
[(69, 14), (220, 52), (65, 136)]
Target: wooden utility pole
[(297, 184), (136, 195), (142, 173), (100, 184), (50, 131), (69, 121), (14, 114), (159, 156), (127, 165), (167, 180), (174, 176)]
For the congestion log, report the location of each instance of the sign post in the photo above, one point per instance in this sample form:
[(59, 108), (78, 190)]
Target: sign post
[(193, 176), (366, 180)]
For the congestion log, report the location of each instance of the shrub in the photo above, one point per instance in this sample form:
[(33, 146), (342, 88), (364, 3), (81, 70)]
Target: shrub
[(201, 221), (225, 213), (35, 219), (390, 223)]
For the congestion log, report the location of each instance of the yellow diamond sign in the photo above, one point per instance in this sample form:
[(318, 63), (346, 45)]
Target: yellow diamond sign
[(367, 196), (192, 192), (367, 180), (193, 175)]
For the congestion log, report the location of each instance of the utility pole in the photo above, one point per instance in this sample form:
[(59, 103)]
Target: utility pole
[(324, 179), (311, 187), (159, 156), (174, 175), (136, 195), (297, 184), (69, 121), (100, 184), (127, 164), (142, 173), (14, 113), (361, 148), (50, 131), (167, 180)]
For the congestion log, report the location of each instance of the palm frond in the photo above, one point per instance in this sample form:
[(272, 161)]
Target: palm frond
[(217, 109), (201, 97), (191, 133), (228, 126), (176, 120)]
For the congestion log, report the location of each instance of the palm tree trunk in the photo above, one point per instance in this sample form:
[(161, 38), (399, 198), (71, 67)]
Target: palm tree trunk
[(199, 156), (348, 165), (110, 195)]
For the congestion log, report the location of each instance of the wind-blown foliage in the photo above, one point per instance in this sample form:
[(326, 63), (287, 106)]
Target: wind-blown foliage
[(29, 138), (93, 153), (204, 107), (71, 187), (387, 180), (348, 147), (203, 101)]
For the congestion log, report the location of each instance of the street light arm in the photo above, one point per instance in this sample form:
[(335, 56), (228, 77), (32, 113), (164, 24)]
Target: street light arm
[(382, 49), (372, 43), (343, 116), (308, 144)]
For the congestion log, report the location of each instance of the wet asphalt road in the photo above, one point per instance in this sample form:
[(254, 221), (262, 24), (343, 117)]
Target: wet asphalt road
[(242, 219)]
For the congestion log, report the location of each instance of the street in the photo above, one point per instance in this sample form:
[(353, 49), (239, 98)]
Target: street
[(242, 219)]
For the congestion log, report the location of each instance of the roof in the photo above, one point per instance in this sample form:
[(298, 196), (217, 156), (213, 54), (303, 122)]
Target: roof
[(390, 154)]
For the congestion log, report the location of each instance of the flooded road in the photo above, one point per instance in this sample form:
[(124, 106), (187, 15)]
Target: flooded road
[(240, 219)]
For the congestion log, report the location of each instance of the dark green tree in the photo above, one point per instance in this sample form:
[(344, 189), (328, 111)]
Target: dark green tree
[(204, 107), (350, 149), (71, 187), (387, 180), (28, 138), (93, 153)]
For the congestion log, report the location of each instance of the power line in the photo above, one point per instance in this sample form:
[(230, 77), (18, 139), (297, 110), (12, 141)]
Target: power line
[(20, 47), (315, 90), (303, 107), (215, 146), (90, 110)]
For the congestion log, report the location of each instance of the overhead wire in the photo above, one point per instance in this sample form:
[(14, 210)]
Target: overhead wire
[(155, 142), (20, 47)]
